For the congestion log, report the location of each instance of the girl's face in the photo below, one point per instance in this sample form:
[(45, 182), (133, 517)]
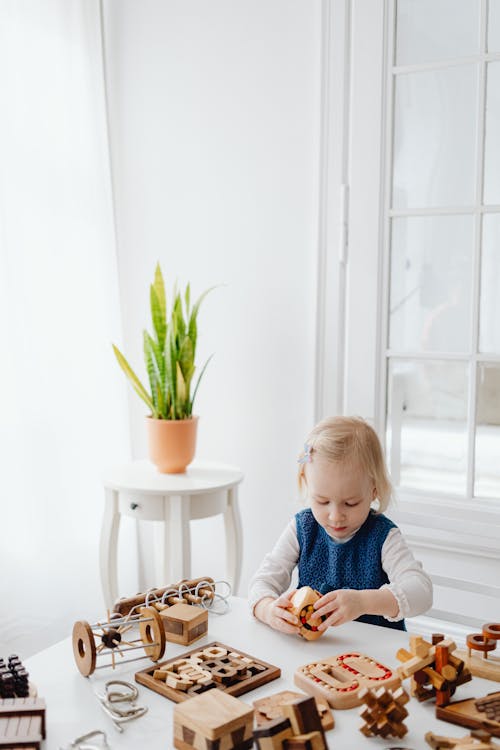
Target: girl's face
[(340, 495)]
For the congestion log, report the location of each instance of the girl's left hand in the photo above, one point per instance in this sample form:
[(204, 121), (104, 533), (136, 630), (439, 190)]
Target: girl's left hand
[(339, 606)]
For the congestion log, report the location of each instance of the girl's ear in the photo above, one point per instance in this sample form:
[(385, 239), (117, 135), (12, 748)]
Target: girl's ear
[(374, 494)]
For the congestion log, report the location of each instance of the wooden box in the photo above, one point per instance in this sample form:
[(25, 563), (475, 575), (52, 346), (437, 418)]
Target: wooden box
[(213, 720), (184, 623)]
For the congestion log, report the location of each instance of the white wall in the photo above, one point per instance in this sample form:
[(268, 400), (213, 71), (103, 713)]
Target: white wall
[(214, 124)]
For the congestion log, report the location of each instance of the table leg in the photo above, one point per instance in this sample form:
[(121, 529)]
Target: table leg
[(234, 539), (179, 538), (108, 548)]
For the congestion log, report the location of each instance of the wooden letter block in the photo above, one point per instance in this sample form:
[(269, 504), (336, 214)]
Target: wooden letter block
[(184, 623), (213, 720)]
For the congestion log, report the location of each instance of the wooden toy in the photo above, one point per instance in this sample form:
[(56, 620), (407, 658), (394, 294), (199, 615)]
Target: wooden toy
[(476, 740), (13, 678), (184, 623), (271, 707), (384, 713), (300, 727), (199, 591), (434, 668), (483, 663), (302, 606), (338, 679), (213, 666), (22, 722), (213, 721), (482, 713), (106, 638)]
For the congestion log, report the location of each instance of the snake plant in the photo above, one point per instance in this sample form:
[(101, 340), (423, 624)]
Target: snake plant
[(169, 353)]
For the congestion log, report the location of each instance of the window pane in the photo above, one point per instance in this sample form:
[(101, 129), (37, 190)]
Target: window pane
[(431, 273), (435, 137), (426, 425), (492, 144), (494, 26), (487, 478), (489, 328), (436, 30)]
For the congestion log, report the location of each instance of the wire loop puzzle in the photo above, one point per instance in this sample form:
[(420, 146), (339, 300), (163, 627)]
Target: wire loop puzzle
[(202, 592)]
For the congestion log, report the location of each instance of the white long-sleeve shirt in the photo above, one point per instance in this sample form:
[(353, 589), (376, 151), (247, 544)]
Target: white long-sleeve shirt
[(408, 582)]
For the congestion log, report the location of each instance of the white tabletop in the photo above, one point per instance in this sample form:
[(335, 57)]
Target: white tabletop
[(72, 709), (143, 476)]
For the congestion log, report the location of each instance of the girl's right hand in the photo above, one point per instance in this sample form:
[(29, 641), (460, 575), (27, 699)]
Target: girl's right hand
[(276, 614)]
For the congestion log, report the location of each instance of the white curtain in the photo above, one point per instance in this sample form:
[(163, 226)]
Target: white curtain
[(62, 400)]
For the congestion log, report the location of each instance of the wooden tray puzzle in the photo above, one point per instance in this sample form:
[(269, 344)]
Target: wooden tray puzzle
[(213, 666)]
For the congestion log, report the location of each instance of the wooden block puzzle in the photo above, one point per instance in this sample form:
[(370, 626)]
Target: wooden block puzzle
[(22, 723), (184, 623), (435, 669), (302, 606), (213, 721), (482, 713), (271, 707), (384, 712), (299, 729), (482, 663), (477, 740), (213, 666), (338, 679)]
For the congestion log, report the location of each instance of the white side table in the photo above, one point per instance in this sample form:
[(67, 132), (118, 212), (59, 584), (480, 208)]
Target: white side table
[(137, 489)]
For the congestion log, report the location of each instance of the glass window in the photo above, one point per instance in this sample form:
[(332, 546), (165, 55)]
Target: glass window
[(430, 286), (427, 425), (435, 123), (492, 144), (489, 323), (487, 479), (494, 26), (430, 30)]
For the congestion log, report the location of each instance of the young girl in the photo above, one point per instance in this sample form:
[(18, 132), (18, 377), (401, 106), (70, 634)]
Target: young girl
[(352, 554)]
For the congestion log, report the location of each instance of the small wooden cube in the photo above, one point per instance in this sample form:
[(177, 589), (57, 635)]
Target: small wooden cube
[(184, 623), (213, 719)]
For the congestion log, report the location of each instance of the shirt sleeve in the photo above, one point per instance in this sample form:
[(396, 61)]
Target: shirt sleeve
[(275, 572), (408, 581)]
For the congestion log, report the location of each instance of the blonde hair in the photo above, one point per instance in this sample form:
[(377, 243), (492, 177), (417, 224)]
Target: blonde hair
[(349, 439)]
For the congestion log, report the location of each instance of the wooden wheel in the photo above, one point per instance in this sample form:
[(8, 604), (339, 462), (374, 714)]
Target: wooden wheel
[(84, 649), (152, 633), (480, 642)]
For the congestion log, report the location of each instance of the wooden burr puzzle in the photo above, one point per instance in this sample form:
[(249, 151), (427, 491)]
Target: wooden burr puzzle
[(434, 668), (384, 713), (213, 666), (338, 679)]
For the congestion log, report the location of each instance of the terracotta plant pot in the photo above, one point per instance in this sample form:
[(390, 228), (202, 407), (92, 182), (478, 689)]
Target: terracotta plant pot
[(172, 443)]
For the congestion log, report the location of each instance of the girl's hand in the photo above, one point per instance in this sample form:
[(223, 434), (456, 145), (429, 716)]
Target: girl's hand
[(275, 613), (339, 606)]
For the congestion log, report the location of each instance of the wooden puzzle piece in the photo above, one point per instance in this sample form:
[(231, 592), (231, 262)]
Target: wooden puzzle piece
[(479, 657), (215, 666), (22, 722), (434, 668), (299, 729), (476, 740), (184, 623), (194, 591), (302, 606), (213, 720), (338, 679), (384, 713), (271, 707), (467, 713)]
